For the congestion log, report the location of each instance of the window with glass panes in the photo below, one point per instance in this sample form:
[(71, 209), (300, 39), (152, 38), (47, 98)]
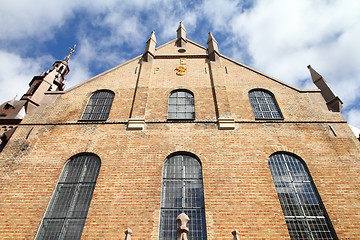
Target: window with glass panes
[(263, 105), (98, 107), (181, 105), (304, 212), (69, 205), (182, 192)]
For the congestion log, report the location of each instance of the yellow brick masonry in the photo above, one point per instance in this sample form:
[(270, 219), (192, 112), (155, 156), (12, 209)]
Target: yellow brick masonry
[(238, 187)]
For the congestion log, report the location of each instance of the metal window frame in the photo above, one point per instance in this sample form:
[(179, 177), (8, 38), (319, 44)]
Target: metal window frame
[(282, 158), (187, 92), (256, 104), (199, 211), (106, 107), (76, 184)]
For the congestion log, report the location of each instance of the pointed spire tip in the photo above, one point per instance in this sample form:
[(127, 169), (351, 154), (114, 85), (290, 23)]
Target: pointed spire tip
[(211, 38), (152, 36), (314, 74), (181, 25)]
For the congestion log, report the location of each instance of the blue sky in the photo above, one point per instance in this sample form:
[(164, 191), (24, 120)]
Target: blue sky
[(277, 37)]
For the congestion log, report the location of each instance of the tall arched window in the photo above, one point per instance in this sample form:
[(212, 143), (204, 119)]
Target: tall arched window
[(181, 105), (182, 191), (66, 214), (263, 105), (99, 105), (305, 215)]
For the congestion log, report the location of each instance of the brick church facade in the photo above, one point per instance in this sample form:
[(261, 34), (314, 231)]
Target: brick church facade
[(179, 129)]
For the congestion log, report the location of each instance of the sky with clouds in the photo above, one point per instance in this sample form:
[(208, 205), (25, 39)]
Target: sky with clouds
[(277, 37)]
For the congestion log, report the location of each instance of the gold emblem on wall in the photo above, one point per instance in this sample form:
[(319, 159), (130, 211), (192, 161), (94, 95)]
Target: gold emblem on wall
[(180, 70)]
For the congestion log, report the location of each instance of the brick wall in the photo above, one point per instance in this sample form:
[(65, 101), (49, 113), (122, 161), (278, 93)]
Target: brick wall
[(238, 187)]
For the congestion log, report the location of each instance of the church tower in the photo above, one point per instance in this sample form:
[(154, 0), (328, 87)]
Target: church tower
[(12, 112), (52, 80)]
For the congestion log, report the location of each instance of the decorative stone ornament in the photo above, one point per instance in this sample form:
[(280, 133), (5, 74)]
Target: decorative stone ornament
[(181, 70), (128, 233), (236, 234), (182, 230)]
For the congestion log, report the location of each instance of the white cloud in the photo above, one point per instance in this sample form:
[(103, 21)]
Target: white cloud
[(32, 18), (16, 73), (355, 130), (353, 117), (78, 73), (219, 13), (282, 37), (80, 63)]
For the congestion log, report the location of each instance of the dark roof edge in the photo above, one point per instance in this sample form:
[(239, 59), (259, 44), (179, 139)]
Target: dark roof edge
[(269, 77)]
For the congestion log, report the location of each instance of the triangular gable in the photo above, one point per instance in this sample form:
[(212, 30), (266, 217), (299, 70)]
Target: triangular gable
[(160, 53)]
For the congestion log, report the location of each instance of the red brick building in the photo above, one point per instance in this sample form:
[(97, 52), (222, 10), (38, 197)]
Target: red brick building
[(181, 128)]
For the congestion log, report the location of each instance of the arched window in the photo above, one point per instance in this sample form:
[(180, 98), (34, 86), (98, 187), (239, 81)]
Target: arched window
[(181, 105), (66, 214), (99, 105), (305, 215), (182, 191), (263, 105)]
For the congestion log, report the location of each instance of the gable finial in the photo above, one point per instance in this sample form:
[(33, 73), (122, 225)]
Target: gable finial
[(333, 102), (150, 48), (213, 50), (152, 37), (181, 35)]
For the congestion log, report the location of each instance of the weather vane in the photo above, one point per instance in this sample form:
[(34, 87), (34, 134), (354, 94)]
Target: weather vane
[(72, 50)]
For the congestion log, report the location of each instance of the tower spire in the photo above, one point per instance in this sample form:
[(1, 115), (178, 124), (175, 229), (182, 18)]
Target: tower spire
[(181, 35)]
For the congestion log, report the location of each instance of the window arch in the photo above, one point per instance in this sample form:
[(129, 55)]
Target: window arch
[(305, 215), (66, 214), (182, 191), (181, 105), (264, 105), (98, 106)]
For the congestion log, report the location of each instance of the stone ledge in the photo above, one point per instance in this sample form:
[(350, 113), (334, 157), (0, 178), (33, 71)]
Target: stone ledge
[(226, 123), (136, 124)]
